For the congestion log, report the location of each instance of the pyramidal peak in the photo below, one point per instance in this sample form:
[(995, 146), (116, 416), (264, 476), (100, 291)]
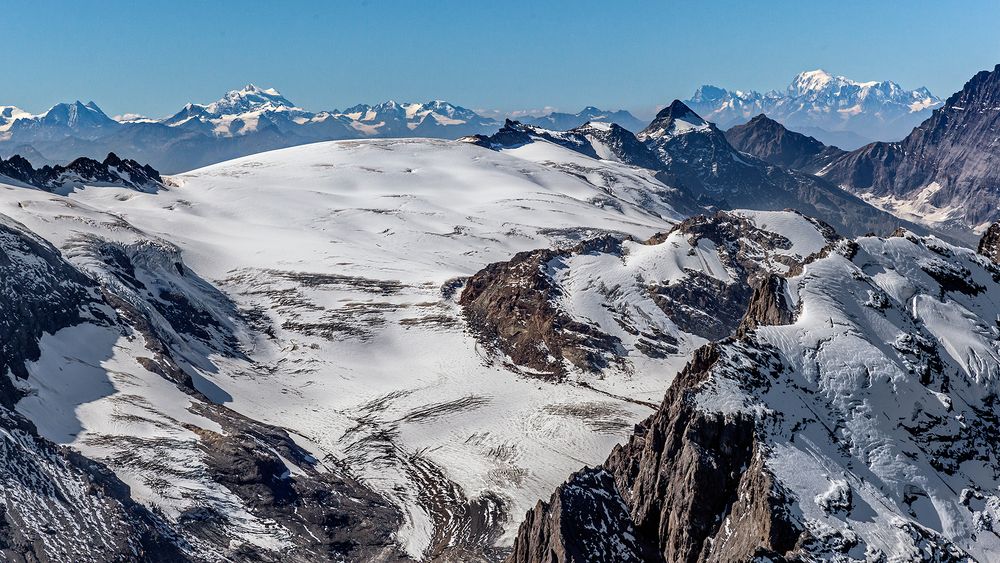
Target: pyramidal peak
[(675, 119)]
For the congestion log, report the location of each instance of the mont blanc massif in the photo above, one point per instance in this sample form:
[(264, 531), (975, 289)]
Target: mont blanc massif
[(759, 327)]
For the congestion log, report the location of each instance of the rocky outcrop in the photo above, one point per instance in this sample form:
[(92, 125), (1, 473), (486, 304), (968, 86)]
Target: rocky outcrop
[(989, 244), (511, 308), (111, 171), (573, 527), (769, 305), (692, 483), (515, 307)]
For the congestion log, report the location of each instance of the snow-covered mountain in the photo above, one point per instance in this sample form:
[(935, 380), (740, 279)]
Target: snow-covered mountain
[(943, 174), (559, 121), (242, 122), (10, 114), (850, 419), (834, 109), (945, 171)]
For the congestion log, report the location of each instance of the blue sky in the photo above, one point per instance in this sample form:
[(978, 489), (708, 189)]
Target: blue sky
[(151, 57)]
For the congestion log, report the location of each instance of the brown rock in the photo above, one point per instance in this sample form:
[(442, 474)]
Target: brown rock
[(681, 475)]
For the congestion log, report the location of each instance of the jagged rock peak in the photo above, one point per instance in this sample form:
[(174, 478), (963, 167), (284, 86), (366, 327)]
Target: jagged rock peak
[(113, 170)]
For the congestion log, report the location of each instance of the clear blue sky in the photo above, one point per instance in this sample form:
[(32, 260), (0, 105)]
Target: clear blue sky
[(151, 57)]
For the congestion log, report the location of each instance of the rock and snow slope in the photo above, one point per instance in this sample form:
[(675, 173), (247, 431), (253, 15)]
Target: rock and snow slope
[(692, 155), (855, 426), (312, 289), (311, 352)]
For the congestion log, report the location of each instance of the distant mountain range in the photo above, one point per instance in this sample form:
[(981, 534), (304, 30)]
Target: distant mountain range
[(944, 174), (566, 121), (836, 110), (242, 122)]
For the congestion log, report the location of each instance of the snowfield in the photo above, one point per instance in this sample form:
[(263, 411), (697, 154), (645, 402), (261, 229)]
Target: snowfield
[(346, 256)]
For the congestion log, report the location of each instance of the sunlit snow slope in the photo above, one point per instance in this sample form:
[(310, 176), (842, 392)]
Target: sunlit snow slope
[(341, 261)]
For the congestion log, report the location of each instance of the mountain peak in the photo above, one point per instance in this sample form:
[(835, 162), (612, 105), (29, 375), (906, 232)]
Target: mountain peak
[(675, 119), (834, 108), (812, 81), (708, 93), (76, 114), (250, 98), (770, 141)]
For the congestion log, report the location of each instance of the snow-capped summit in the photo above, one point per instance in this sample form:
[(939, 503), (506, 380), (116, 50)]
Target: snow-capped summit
[(832, 108), (250, 98), (77, 119), (10, 114), (818, 85), (76, 115), (815, 81), (675, 119)]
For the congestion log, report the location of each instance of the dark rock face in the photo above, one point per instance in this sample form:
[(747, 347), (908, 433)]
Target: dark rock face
[(703, 305), (771, 142), (989, 245), (113, 170), (39, 293), (574, 526), (693, 485), (769, 305), (955, 148)]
